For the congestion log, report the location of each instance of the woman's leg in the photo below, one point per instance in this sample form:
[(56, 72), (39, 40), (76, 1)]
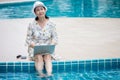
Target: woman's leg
[(39, 64), (48, 64)]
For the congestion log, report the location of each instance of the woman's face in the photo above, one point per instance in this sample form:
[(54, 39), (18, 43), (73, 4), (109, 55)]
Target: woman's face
[(40, 11)]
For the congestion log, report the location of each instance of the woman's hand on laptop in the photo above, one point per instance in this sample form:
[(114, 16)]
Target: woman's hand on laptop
[(32, 44), (53, 42)]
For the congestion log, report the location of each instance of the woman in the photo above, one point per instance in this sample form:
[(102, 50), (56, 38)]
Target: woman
[(41, 31)]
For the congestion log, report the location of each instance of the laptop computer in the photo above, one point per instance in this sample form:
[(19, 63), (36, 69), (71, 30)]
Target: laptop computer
[(43, 49)]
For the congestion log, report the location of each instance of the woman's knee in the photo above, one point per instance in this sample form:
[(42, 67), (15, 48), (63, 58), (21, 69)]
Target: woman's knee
[(38, 58), (47, 57)]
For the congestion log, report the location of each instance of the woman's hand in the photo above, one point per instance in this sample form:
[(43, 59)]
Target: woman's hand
[(53, 42), (32, 44)]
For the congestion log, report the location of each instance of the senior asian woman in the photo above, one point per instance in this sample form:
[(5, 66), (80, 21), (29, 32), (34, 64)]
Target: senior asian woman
[(41, 31)]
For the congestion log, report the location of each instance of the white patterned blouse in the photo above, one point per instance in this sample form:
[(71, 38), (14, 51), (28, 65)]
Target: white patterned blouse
[(40, 35)]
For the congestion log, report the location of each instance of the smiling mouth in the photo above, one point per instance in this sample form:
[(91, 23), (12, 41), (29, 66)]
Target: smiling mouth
[(41, 14)]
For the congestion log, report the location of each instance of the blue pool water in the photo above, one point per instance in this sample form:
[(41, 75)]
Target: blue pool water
[(102, 69), (64, 8), (111, 75)]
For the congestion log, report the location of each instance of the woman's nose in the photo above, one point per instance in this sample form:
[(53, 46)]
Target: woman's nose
[(40, 10)]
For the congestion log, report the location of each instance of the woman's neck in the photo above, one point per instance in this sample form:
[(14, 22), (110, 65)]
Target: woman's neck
[(42, 19), (42, 22)]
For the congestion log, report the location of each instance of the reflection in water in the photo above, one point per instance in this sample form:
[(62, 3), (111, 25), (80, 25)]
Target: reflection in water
[(65, 8), (85, 8)]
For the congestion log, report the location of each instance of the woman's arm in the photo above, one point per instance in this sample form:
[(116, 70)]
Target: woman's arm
[(54, 36), (29, 39)]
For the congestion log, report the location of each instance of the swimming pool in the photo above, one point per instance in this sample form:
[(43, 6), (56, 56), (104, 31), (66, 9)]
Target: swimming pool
[(99, 69), (64, 8)]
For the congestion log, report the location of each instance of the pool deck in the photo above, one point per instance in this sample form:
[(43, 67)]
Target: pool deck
[(79, 38)]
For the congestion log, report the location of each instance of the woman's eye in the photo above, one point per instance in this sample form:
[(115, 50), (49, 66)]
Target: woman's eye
[(41, 9)]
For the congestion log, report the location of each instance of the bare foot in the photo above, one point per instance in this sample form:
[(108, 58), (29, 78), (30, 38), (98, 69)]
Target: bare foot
[(49, 75), (42, 75)]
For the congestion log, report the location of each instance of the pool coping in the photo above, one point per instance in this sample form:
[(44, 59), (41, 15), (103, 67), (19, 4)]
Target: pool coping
[(18, 1), (54, 61)]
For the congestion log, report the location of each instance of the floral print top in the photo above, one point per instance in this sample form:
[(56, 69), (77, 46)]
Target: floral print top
[(40, 35)]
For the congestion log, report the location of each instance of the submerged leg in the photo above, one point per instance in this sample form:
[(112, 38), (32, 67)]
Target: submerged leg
[(39, 64), (48, 64)]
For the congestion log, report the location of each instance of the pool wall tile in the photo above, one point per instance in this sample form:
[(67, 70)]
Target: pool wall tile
[(119, 65), (101, 61), (94, 61), (3, 69), (24, 64), (81, 62), (25, 69), (108, 65), (74, 62), (32, 69), (17, 68), (81, 68), (64, 66), (17, 64), (101, 66), (61, 68), (88, 66), (55, 68), (114, 65), (94, 67), (114, 60), (54, 62), (68, 68), (60, 63), (10, 68), (2, 63), (119, 60), (10, 63), (32, 64), (74, 67)]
